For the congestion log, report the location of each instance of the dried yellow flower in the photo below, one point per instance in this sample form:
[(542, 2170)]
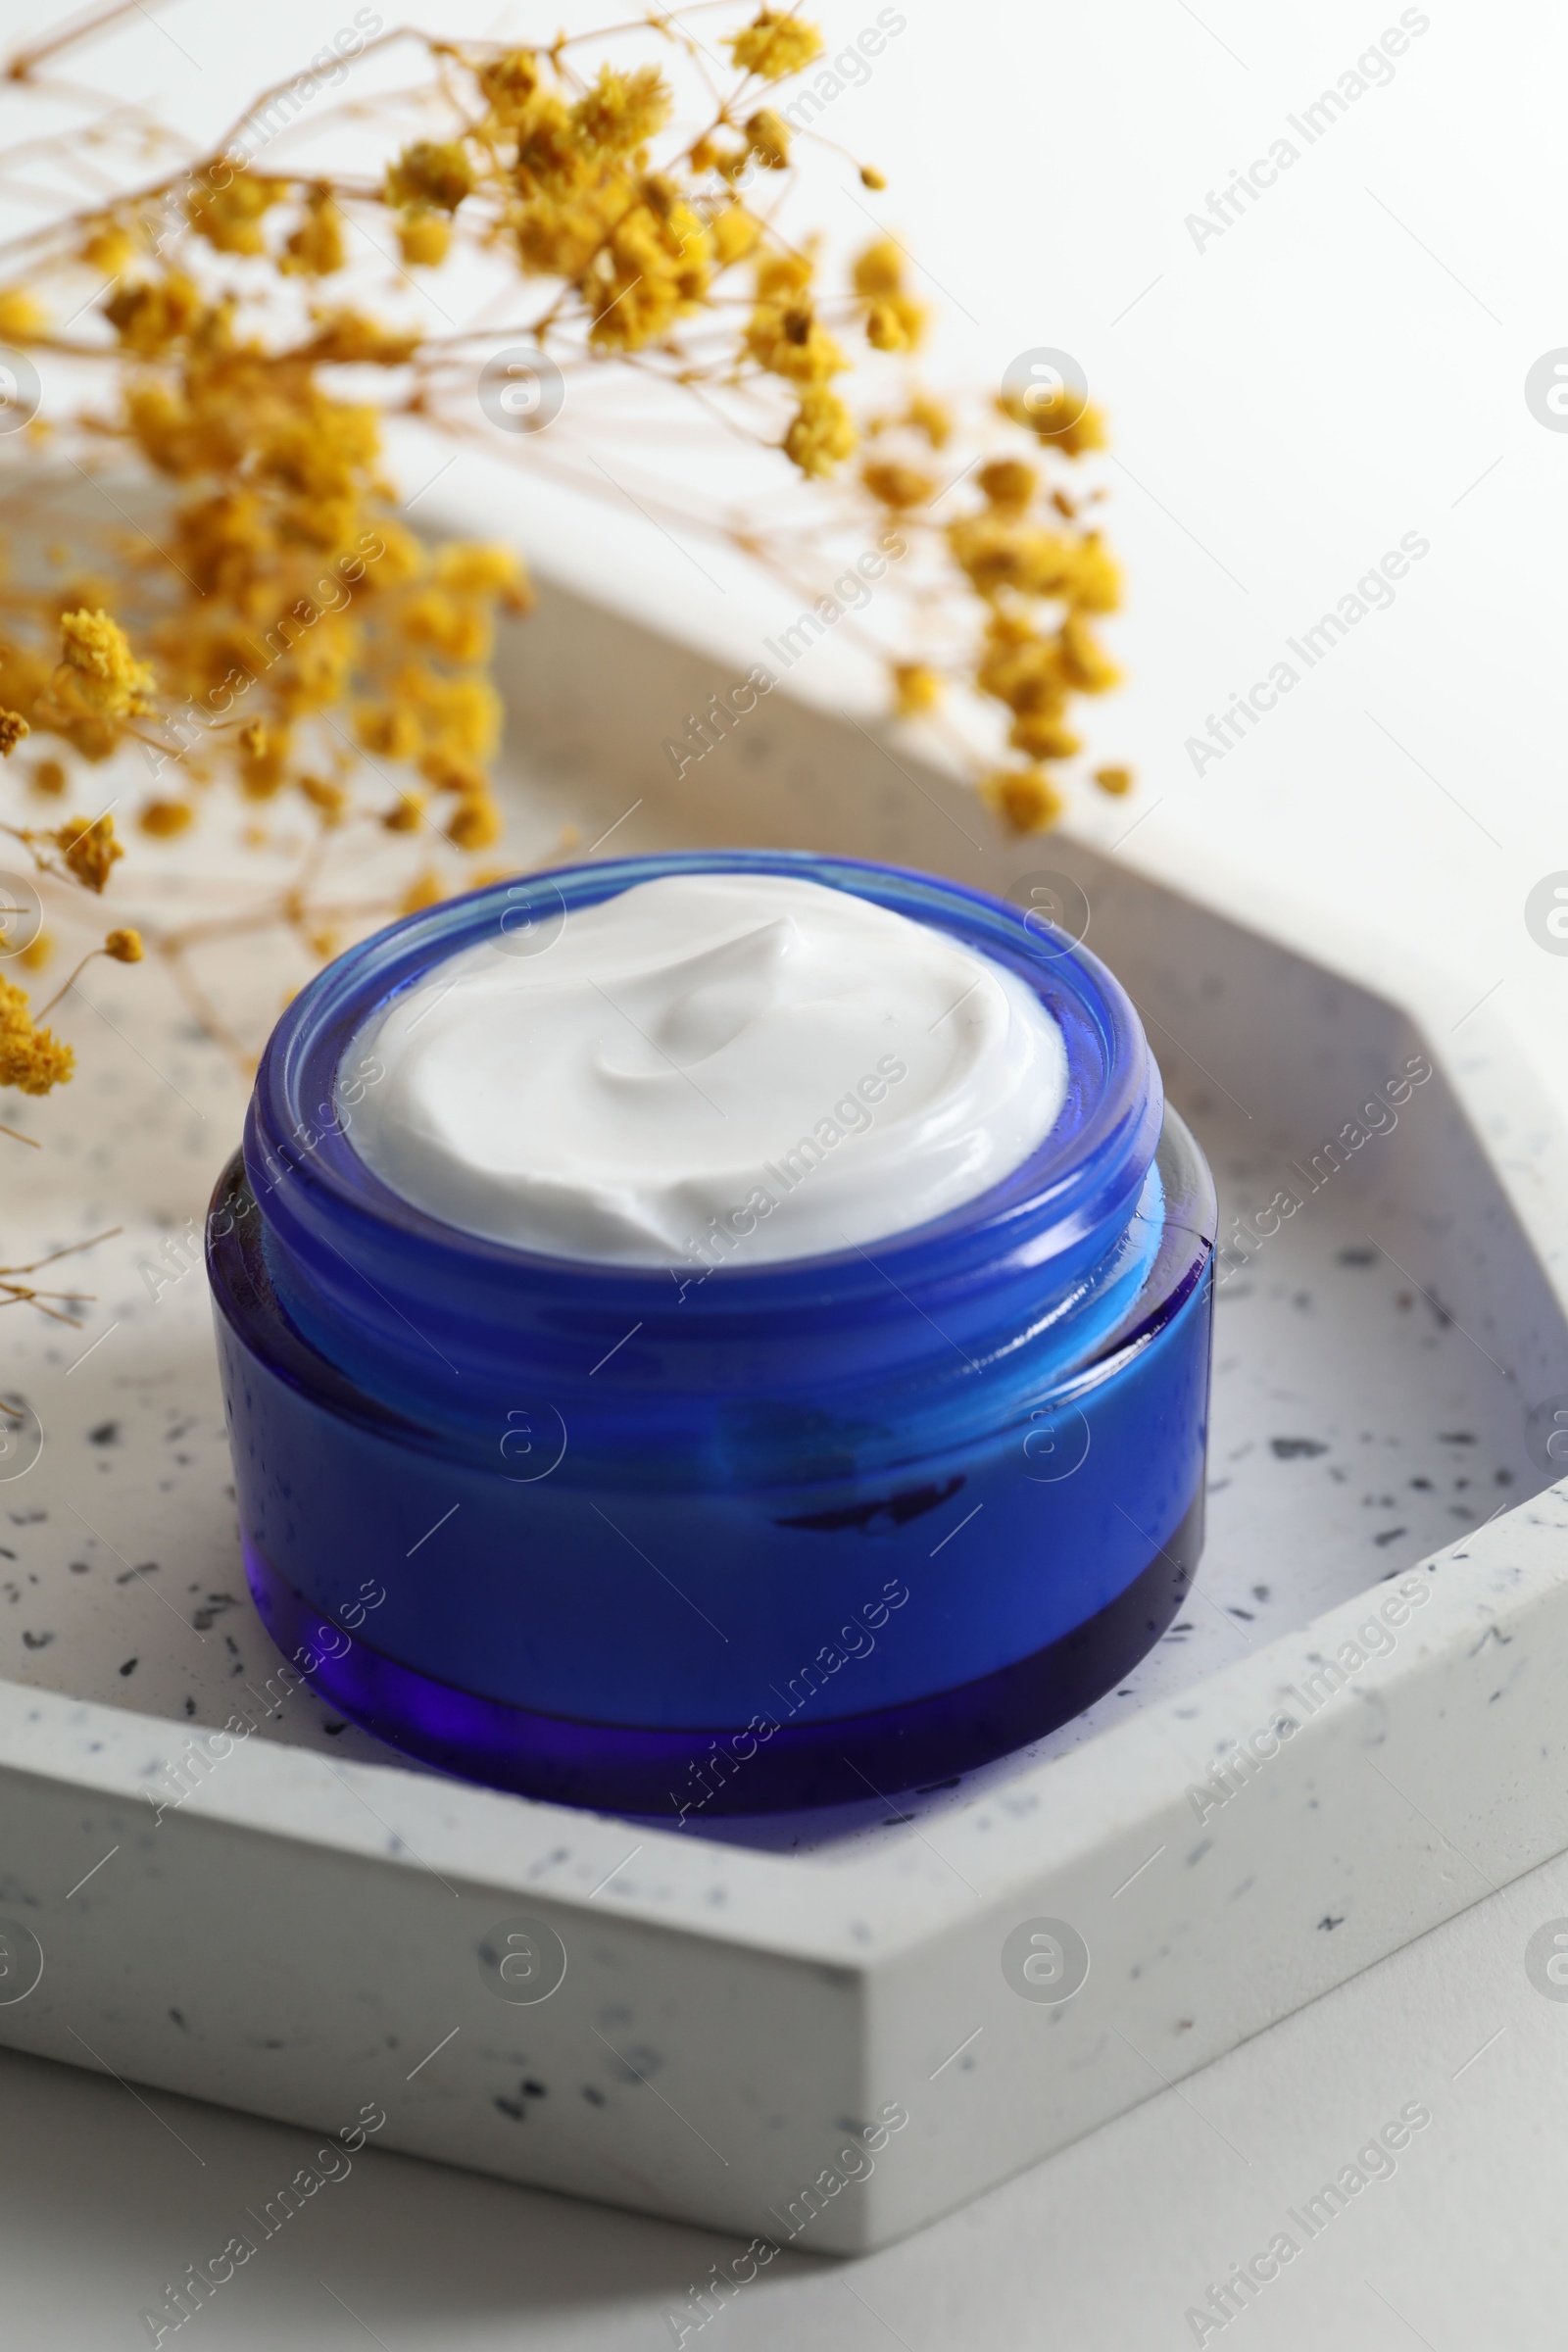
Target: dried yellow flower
[(264, 772), (476, 823), (32, 1059), (894, 324), (432, 173), (1114, 780), (89, 850), (767, 136), (229, 214), (37, 952), (822, 434), (14, 729), (894, 320), (998, 552), (781, 272), (152, 314), (99, 673), (316, 247), (124, 947), (652, 269), (916, 688), (471, 567), (108, 247), (1042, 735), (49, 778), (621, 112), (774, 45), (791, 341), (896, 486), (163, 819), (1057, 418), (508, 84), (1085, 665), (424, 239), (929, 416), (448, 771), (22, 316), (1096, 583), (347, 338), (458, 713), (1007, 482), (329, 799), (733, 233), (1027, 799), (391, 732), (879, 269), (1021, 668)]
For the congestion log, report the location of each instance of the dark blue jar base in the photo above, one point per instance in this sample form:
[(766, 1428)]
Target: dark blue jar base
[(838, 1760)]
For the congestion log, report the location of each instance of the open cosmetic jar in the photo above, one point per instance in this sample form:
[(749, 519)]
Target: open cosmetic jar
[(737, 1532)]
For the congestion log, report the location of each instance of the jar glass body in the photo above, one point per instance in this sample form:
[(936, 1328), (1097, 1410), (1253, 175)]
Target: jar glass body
[(716, 1539)]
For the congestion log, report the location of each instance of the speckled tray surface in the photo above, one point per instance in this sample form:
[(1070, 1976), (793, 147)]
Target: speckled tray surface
[(309, 1929), (1357, 1425), (1355, 1428)]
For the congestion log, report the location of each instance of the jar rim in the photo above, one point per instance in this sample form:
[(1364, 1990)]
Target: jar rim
[(1092, 1161)]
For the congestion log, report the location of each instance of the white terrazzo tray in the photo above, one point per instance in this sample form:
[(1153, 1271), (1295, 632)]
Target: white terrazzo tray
[(315, 1931)]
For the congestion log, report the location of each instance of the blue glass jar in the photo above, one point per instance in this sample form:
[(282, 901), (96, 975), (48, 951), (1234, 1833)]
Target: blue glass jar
[(785, 1536)]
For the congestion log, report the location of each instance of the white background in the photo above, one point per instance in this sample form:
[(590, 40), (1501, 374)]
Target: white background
[(1343, 365)]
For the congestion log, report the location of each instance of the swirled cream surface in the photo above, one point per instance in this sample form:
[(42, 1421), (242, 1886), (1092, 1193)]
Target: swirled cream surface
[(708, 1069)]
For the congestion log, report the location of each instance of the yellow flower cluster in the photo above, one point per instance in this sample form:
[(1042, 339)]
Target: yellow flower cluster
[(893, 320), (308, 594), (580, 202), (290, 592), (786, 339), (916, 689), (87, 850), (99, 677), (228, 212), (22, 316), (316, 247), (286, 631), (1040, 578), (430, 174), (32, 1059), (773, 45), (1057, 417), (1039, 575)]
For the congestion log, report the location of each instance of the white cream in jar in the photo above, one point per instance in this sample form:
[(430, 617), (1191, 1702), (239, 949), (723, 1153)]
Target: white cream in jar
[(708, 1068)]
